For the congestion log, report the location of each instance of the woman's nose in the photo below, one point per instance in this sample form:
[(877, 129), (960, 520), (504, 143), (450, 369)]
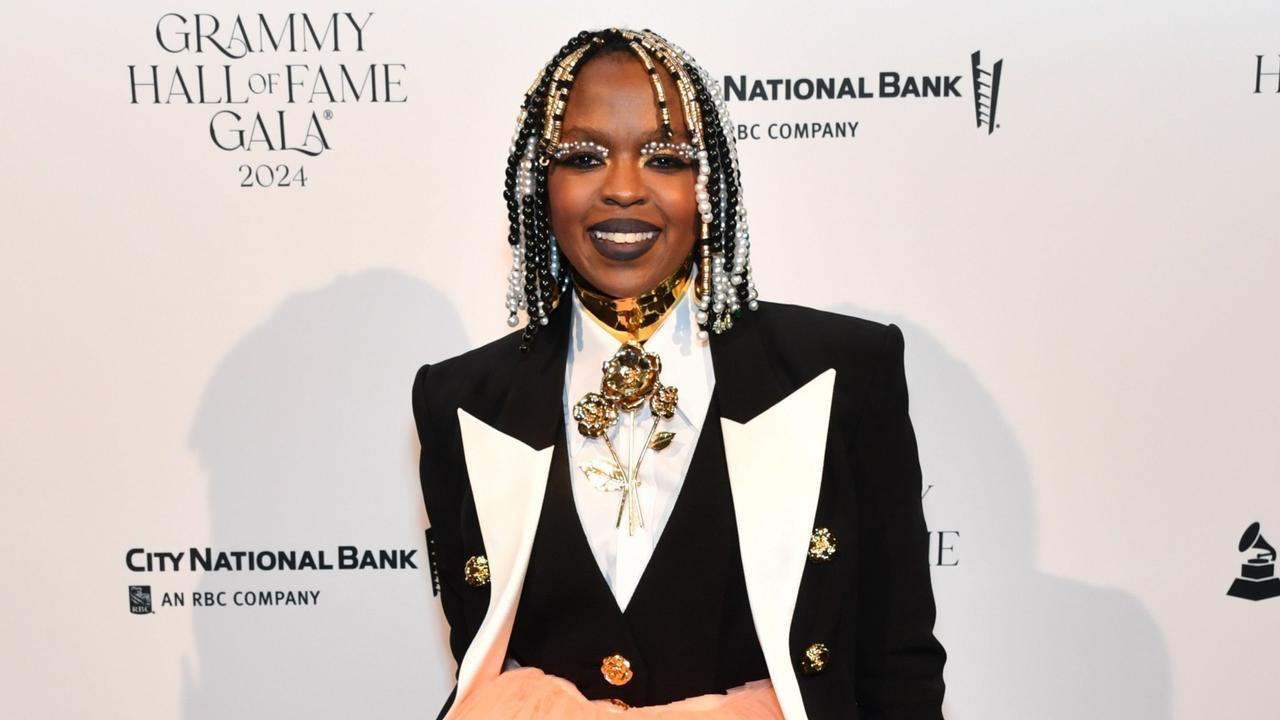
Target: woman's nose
[(623, 185)]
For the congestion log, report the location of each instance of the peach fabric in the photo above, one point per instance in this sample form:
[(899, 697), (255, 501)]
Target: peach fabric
[(529, 694)]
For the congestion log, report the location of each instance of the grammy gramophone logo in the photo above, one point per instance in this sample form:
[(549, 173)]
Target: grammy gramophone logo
[(1257, 579)]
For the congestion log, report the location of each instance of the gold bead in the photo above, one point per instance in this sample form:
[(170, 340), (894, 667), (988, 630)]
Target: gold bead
[(616, 670), (476, 571), (815, 660), (822, 545)]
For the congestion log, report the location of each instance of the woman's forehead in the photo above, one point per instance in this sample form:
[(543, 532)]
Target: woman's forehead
[(613, 101)]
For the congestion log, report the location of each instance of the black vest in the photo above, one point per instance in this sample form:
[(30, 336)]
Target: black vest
[(687, 630)]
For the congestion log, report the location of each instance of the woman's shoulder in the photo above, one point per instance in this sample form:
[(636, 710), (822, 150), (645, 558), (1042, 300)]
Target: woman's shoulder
[(824, 334), (467, 375), (482, 359), (802, 343)]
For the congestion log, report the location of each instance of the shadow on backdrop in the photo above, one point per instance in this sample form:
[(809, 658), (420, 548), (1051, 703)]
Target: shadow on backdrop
[(1021, 644), (306, 433)]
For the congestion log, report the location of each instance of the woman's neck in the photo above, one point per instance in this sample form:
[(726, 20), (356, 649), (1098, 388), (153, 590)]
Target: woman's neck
[(635, 318)]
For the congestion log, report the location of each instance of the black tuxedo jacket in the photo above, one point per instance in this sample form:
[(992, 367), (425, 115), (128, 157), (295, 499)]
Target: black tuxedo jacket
[(816, 434)]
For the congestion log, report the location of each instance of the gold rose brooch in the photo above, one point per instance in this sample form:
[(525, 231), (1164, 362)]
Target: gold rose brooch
[(630, 379)]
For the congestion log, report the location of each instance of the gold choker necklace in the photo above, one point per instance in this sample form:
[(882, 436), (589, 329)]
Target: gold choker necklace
[(636, 318)]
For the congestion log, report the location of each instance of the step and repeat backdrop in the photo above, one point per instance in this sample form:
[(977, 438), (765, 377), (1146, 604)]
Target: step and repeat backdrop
[(233, 231)]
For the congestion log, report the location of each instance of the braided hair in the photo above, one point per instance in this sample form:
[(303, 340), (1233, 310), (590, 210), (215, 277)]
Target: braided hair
[(539, 271)]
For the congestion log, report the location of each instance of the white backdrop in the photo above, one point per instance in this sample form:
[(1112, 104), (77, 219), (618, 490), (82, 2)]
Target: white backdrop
[(1087, 291)]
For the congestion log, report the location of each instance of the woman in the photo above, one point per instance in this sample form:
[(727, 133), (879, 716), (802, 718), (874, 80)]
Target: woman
[(663, 493)]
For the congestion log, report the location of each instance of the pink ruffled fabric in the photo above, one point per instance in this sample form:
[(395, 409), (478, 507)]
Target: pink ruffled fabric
[(530, 694)]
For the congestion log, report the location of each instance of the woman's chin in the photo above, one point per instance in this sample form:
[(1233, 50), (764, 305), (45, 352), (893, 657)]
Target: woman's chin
[(623, 283), (623, 278)]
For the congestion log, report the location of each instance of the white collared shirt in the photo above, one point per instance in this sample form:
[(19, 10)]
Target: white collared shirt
[(686, 365)]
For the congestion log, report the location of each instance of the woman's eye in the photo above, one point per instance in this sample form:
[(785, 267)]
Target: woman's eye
[(667, 162), (582, 160)]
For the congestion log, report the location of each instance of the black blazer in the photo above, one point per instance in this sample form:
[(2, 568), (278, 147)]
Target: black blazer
[(817, 435)]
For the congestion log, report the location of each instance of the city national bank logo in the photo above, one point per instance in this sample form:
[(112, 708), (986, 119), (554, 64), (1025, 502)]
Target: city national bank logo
[(140, 599), (217, 563), (984, 84), (348, 557), (1257, 579), (986, 91)]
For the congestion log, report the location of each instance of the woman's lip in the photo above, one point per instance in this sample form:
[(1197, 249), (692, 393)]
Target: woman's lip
[(623, 246)]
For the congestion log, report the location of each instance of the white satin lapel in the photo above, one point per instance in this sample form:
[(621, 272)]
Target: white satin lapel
[(508, 481), (775, 470)]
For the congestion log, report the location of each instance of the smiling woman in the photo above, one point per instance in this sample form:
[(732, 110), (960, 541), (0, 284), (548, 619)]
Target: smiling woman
[(615, 111), (664, 494), (623, 208)]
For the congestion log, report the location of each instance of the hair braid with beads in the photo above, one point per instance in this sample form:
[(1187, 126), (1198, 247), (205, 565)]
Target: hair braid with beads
[(539, 272)]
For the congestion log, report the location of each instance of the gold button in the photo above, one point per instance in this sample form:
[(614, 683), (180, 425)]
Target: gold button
[(619, 704), (816, 657), (476, 571), (822, 545), (616, 670)]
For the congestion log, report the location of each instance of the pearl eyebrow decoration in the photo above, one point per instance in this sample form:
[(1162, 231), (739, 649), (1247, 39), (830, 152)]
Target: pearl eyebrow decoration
[(684, 150), (565, 149)]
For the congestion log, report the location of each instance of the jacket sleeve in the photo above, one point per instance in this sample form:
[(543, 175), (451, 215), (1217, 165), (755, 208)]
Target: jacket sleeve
[(437, 428), (899, 661)]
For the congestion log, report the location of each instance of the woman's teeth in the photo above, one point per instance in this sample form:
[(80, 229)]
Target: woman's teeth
[(627, 238)]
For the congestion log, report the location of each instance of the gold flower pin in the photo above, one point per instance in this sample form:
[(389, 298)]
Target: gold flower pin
[(629, 379)]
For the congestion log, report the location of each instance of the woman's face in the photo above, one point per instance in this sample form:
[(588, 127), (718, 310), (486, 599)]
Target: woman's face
[(626, 221)]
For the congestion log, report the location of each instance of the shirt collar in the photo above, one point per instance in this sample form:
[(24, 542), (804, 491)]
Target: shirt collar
[(686, 359)]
